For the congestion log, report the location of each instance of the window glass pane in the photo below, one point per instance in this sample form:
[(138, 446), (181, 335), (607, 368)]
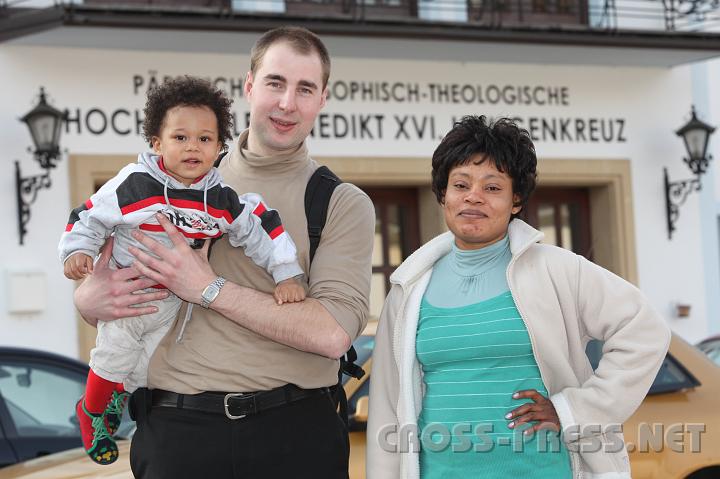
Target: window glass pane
[(275, 6), (395, 252), (377, 256), (546, 218), (377, 294), (41, 399)]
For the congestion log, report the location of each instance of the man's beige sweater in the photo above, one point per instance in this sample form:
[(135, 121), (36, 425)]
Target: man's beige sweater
[(216, 354)]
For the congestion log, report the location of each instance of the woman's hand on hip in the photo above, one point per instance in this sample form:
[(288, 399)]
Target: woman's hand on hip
[(540, 413)]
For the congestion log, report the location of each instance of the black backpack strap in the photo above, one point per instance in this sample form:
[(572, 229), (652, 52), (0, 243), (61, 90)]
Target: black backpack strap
[(319, 189), (220, 158)]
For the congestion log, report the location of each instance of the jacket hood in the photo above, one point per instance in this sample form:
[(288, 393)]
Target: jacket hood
[(151, 162), (522, 236)]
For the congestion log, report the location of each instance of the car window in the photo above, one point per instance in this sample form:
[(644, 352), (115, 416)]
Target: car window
[(41, 398), (672, 376), (712, 349)]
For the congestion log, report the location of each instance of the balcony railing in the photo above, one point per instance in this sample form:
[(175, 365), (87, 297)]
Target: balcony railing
[(649, 15)]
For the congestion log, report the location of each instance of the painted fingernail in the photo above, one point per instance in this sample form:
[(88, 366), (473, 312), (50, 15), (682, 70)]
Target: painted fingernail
[(508, 415), (516, 395), (511, 425), (528, 432)]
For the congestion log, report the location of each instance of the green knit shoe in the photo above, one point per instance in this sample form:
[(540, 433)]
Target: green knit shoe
[(114, 411), (98, 443)]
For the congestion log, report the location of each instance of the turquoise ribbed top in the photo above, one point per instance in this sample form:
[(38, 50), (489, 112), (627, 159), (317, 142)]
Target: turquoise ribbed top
[(464, 277), (475, 352)]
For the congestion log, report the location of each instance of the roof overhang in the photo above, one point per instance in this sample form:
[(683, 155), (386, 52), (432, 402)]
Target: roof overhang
[(80, 26)]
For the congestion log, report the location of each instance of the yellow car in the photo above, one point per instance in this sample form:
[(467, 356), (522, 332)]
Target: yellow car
[(675, 434)]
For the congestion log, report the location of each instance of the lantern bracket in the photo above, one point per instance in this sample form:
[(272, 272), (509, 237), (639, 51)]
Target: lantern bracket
[(27, 190), (697, 160)]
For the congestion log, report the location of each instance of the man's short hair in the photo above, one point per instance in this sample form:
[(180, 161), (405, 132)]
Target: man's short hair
[(301, 40)]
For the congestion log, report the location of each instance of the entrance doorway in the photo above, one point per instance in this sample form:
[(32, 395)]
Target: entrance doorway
[(397, 235), (563, 214)]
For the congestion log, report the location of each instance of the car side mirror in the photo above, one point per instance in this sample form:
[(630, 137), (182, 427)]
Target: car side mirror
[(361, 410)]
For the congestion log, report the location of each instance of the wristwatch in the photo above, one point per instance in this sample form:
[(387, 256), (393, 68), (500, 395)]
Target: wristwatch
[(211, 292)]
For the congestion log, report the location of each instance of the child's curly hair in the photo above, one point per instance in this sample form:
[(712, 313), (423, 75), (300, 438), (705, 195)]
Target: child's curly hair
[(187, 91)]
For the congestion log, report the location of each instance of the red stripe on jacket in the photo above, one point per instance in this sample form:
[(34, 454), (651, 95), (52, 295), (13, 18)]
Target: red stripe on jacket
[(88, 205), (276, 232), (160, 229), (187, 204), (260, 209)]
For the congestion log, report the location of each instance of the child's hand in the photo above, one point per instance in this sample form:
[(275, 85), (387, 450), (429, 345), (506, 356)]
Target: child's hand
[(78, 266), (289, 291)]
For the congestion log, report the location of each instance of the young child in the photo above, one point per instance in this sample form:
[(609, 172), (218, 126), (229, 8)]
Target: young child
[(187, 123)]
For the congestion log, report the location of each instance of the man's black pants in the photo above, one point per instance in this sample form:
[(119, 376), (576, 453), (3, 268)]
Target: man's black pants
[(302, 439)]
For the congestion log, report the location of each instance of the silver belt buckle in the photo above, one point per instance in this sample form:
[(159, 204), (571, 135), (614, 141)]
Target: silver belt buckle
[(225, 402)]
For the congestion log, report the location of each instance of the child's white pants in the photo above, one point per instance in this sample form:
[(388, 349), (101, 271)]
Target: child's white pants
[(123, 347)]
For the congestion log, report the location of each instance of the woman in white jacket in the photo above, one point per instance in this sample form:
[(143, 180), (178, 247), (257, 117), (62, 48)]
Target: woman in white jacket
[(479, 367)]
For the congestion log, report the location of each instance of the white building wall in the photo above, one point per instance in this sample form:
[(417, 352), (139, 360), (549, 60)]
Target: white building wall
[(713, 178), (649, 103)]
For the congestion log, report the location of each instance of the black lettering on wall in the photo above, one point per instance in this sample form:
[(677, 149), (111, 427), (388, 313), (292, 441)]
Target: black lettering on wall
[(400, 121), (95, 121), (74, 119), (114, 122), (621, 129)]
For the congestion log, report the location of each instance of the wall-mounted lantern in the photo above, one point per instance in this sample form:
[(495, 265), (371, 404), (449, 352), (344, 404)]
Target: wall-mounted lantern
[(696, 135), (45, 123)]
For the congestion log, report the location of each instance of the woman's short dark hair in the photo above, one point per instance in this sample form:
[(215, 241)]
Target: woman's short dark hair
[(502, 141), (187, 91)]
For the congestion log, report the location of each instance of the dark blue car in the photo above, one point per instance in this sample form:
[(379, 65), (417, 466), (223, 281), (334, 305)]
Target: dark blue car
[(38, 392)]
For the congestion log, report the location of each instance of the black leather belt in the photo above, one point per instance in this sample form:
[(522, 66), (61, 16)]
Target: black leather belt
[(234, 405)]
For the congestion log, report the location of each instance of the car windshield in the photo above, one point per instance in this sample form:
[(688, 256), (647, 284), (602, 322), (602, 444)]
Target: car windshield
[(672, 376)]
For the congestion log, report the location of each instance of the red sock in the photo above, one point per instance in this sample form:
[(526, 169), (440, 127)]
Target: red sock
[(98, 392)]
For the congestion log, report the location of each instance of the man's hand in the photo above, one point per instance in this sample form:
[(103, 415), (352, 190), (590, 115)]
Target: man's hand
[(182, 270), (304, 325), (541, 412), (110, 294)]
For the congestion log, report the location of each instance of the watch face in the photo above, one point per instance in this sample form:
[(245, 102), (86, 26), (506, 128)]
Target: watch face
[(210, 292)]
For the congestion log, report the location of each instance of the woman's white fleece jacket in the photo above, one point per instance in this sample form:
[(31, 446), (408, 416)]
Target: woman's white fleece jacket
[(565, 301)]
